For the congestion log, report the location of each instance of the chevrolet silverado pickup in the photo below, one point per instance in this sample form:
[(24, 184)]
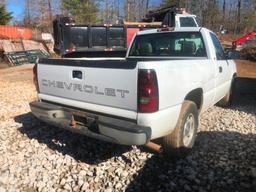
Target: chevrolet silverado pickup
[(168, 77)]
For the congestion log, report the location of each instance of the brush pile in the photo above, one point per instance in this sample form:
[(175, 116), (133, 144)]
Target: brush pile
[(249, 53)]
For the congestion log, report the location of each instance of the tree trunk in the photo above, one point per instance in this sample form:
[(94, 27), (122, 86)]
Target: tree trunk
[(224, 10), (50, 12), (107, 10), (238, 17), (27, 10), (147, 5), (118, 10)]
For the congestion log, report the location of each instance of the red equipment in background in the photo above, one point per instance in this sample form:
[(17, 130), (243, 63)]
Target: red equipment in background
[(11, 32), (130, 33), (244, 38)]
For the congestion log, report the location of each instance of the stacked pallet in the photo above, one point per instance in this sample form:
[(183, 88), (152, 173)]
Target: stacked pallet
[(22, 51)]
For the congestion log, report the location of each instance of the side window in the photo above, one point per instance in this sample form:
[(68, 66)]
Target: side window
[(218, 48)]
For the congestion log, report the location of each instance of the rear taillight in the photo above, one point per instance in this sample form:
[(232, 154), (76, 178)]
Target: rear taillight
[(35, 77), (148, 100), (70, 50)]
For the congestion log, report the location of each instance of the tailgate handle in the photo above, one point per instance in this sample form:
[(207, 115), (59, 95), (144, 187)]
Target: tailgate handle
[(76, 74)]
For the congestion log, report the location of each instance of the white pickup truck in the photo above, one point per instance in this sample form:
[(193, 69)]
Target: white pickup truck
[(167, 79)]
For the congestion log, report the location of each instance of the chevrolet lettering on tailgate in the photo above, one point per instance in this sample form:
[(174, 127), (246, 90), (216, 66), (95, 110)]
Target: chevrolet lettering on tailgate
[(85, 88)]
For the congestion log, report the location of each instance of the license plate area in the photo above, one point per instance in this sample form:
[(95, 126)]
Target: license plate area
[(80, 120), (84, 119)]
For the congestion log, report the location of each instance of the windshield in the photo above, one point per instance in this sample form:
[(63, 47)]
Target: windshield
[(174, 44)]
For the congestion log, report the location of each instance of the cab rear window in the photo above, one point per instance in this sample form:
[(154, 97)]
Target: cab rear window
[(187, 22), (170, 44)]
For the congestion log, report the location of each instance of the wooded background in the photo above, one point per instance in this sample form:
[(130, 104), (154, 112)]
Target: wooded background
[(237, 16)]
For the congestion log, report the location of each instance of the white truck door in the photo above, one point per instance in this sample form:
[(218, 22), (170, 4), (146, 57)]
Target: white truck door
[(222, 71)]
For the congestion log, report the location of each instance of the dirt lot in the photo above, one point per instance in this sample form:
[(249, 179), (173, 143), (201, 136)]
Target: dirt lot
[(246, 68), (20, 73), (3, 65), (35, 156)]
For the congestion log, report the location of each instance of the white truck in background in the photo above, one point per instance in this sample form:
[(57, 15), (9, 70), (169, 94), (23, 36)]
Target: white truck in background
[(169, 76)]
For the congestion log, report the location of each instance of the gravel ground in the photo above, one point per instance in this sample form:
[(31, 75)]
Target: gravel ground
[(37, 157)]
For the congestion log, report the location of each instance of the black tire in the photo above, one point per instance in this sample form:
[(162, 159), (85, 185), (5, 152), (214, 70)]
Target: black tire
[(173, 144), (227, 100)]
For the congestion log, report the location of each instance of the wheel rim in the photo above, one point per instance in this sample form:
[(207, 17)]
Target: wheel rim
[(188, 130)]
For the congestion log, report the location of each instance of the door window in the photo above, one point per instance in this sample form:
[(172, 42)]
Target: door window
[(220, 54)]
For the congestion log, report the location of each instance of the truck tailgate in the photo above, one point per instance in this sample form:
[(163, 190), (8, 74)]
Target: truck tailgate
[(103, 82)]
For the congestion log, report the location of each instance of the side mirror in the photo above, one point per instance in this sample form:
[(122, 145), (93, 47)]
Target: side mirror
[(232, 54)]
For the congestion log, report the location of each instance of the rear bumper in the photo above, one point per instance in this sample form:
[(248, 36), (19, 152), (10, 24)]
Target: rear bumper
[(97, 126)]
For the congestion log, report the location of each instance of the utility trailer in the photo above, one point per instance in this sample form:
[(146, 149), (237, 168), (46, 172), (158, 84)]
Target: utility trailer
[(109, 40)]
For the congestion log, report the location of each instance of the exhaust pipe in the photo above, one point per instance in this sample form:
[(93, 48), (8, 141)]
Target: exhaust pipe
[(154, 147)]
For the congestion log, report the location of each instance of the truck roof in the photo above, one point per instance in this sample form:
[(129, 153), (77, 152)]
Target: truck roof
[(177, 29)]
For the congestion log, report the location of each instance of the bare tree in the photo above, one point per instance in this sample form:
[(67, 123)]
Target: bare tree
[(117, 8), (147, 6), (2, 2), (238, 17), (224, 10), (50, 9), (27, 18), (135, 10), (107, 10)]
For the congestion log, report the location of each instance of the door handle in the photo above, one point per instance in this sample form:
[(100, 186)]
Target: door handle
[(76, 74), (220, 69)]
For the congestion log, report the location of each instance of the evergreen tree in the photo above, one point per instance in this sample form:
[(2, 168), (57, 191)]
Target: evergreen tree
[(5, 17), (83, 11)]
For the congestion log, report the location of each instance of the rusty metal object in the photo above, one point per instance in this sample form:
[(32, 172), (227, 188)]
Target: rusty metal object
[(155, 147), (73, 122)]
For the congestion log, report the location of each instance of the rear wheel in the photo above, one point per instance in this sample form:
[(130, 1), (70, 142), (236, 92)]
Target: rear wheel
[(182, 139)]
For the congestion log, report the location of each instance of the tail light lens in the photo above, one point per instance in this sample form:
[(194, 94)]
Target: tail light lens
[(70, 50), (148, 100), (35, 79)]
